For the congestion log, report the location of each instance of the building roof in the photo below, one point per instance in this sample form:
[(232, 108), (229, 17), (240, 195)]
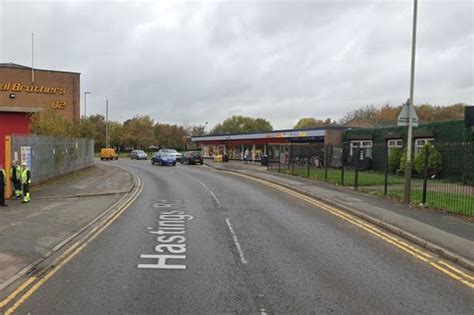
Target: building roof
[(285, 133), (17, 66)]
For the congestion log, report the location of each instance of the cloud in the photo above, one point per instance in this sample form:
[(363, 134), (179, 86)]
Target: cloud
[(191, 62)]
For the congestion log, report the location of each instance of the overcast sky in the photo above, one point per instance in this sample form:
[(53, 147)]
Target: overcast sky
[(192, 62)]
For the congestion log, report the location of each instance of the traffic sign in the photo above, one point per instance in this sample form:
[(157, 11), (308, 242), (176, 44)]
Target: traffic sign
[(403, 116)]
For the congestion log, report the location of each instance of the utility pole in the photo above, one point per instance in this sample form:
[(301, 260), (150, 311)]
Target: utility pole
[(32, 58), (85, 104), (408, 165), (106, 122)]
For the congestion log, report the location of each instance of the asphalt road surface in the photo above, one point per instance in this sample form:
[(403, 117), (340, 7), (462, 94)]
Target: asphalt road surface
[(202, 241)]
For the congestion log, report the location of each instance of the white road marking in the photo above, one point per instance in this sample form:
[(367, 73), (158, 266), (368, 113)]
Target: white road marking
[(207, 188), (236, 241), (210, 192)]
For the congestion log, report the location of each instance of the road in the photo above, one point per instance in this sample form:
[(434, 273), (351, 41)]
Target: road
[(203, 241)]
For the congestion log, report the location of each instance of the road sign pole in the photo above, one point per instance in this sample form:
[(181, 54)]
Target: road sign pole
[(408, 165)]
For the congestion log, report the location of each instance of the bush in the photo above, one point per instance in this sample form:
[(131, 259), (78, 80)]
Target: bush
[(403, 160), (394, 159), (434, 161)]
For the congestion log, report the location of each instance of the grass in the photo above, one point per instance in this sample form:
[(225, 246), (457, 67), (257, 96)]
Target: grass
[(463, 204), (366, 178), (373, 182)]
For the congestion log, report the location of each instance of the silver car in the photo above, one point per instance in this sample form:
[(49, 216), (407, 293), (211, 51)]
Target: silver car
[(138, 155)]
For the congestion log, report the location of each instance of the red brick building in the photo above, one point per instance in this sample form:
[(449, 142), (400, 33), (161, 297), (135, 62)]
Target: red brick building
[(23, 92)]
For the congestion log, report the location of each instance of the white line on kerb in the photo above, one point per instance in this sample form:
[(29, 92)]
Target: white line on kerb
[(236, 241)]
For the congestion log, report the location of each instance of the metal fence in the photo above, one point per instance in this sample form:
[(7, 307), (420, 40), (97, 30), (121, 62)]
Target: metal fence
[(443, 175), (50, 157)]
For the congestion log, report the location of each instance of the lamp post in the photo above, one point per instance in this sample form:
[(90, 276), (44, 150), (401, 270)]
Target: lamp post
[(85, 103), (408, 165), (205, 128)]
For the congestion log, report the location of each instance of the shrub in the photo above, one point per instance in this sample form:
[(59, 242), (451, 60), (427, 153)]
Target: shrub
[(434, 161), (394, 159), (403, 160)]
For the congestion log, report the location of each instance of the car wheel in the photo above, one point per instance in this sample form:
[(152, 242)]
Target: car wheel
[(174, 164), (201, 163)]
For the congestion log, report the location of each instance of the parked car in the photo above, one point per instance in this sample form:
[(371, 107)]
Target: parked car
[(163, 158), (176, 154), (192, 157), (108, 154), (138, 155)]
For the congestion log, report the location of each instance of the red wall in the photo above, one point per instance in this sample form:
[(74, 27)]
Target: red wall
[(11, 123)]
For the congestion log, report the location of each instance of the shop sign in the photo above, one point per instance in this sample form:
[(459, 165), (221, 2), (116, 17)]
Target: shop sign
[(41, 89)]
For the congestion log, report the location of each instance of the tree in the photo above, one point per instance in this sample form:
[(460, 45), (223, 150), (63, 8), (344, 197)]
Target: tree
[(237, 124), (368, 112), (310, 122), (198, 131), (138, 132), (170, 136), (50, 123), (387, 115), (116, 134), (93, 127)]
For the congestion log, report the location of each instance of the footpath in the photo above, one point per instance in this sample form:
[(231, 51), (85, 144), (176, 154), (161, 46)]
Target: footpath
[(450, 235), (59, 210)]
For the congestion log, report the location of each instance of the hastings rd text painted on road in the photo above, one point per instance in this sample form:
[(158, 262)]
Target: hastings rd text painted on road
[(170, 252)]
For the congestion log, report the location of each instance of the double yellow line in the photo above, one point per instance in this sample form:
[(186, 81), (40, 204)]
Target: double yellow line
[(64, 258), (440, 264)]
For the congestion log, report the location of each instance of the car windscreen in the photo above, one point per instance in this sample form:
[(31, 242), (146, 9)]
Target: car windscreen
[(140, 152), (196, 154), (166, 154)]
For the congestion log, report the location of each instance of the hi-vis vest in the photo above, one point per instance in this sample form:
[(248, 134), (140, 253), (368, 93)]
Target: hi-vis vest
[(26, 176), (15, 172)]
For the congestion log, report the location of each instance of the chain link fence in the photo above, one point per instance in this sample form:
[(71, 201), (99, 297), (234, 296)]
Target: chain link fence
[(49, 157), (443, 173)]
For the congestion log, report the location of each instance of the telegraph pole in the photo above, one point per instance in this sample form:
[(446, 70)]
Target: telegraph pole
[(85, 104), (106, 122), (408, 165), (32, 58)]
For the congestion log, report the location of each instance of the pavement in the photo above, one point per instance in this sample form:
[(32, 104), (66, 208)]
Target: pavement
[(449, 235), (59, 209)]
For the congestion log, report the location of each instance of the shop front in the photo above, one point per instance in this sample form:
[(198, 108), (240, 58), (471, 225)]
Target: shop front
[(256, 145)]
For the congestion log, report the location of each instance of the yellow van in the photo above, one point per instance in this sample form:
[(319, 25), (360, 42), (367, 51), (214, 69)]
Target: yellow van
[(108, 154)]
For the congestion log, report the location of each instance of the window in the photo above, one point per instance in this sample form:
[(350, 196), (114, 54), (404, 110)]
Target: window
[(394, 143), (420, 143), (365, 148)]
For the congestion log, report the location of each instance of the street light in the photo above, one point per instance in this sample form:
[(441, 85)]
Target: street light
[(85, 103), (205, 128), (408, 165)]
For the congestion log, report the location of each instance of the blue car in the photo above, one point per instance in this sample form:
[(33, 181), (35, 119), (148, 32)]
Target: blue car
[(163, 158)]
